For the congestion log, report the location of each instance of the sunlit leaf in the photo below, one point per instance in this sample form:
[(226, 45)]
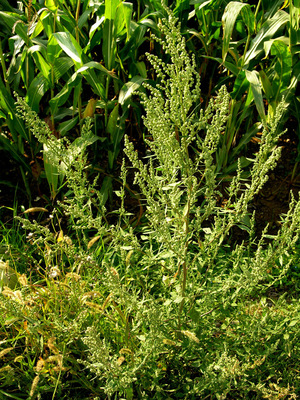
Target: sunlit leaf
[(253, 78), (267, 31), (129, 87), (69, 45), (230, 15), (35, 209)]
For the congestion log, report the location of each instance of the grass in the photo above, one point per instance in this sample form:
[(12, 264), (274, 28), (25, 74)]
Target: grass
[(76, 325), (44, 323)]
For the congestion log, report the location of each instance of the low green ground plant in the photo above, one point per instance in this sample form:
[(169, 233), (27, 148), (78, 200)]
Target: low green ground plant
[(170, 309)]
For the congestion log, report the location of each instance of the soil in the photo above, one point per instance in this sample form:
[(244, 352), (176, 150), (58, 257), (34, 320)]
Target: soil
[(274, 199)]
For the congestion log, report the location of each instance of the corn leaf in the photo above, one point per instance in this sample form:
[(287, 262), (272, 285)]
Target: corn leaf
[(14, 22), (69, 45), (36, 91), (282, 67), (129, 87), (253, 79), (230, 15), (267, 31), (7, 105), (66, 126)]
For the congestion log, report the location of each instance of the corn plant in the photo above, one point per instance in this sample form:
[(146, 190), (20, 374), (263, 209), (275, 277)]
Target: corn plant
[(57, 53), (259, 33), (252, 46)]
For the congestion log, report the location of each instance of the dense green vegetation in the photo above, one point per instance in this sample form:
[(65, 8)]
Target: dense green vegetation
[(125, 278)]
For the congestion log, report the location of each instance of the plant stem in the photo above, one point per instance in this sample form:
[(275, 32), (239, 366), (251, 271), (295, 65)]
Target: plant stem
[(184, 265), (77, 18), (4, 71)]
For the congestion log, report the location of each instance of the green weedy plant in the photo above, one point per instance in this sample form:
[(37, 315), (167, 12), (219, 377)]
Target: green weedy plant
[(179, 183), (174, 309)]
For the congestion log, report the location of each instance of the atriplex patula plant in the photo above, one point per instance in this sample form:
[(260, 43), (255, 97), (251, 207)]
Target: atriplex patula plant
[(179, 183), (172, 299)]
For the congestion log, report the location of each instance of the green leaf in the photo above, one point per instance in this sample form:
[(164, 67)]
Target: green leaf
[(106, 190), (129, 87), (266, 85), (141, 67), (231, 67), (111, 8), (93, 80), (116, 129), (282, 68), (123, 19), (64, 94), (42, 64), (69, 45), (15, 24), (7, 105), (253, 79), (241, 85), (109, 45), (50, 4), (83, 19), (268, 44), (66, 126), (61, 66), (294, 322), (53, 50), (45, 23), (112, 121), (230, 15), (36, 91), (96, 65), (268, 30), (95, 26)]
